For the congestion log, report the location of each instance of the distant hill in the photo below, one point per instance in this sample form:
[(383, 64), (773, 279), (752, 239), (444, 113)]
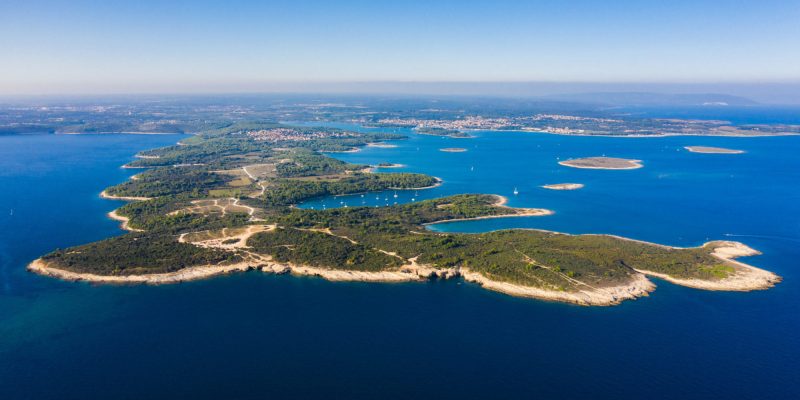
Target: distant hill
[(654, 99)]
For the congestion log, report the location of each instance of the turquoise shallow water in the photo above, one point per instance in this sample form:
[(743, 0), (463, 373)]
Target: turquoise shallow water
[(254, 335)]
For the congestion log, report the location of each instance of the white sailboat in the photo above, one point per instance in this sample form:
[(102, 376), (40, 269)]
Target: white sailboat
[(516, 192)]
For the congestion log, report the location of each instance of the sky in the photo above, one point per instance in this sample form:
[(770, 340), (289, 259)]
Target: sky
[(249, 46)]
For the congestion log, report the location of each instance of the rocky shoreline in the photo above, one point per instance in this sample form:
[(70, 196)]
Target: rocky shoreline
[(639, 287), (605, 296), (746, 277), (125, 221), (105, 195)]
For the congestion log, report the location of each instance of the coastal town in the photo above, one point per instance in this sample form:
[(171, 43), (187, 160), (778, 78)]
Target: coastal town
[(455, 119), (294, 135), (585, 125), (503, 123)]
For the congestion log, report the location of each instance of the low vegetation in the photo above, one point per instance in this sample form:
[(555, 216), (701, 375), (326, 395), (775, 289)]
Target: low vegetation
[(135, 254)]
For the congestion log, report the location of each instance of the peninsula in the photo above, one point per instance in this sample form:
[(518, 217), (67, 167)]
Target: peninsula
[(602, 163), (223, 202)]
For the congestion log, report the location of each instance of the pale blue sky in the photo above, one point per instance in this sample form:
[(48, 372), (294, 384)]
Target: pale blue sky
[(200, 46)]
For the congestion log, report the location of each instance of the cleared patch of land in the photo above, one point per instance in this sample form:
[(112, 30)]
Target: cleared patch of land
[(603, 163), (226, 238), (564, 186), (712, 150), (220, 207)]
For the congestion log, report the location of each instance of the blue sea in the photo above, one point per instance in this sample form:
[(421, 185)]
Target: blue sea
[(257, 336)]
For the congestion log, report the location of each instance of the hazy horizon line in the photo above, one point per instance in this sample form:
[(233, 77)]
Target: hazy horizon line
[(767, 92)]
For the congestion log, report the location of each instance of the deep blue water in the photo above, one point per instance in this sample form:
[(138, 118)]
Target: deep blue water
[(257, 336)]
